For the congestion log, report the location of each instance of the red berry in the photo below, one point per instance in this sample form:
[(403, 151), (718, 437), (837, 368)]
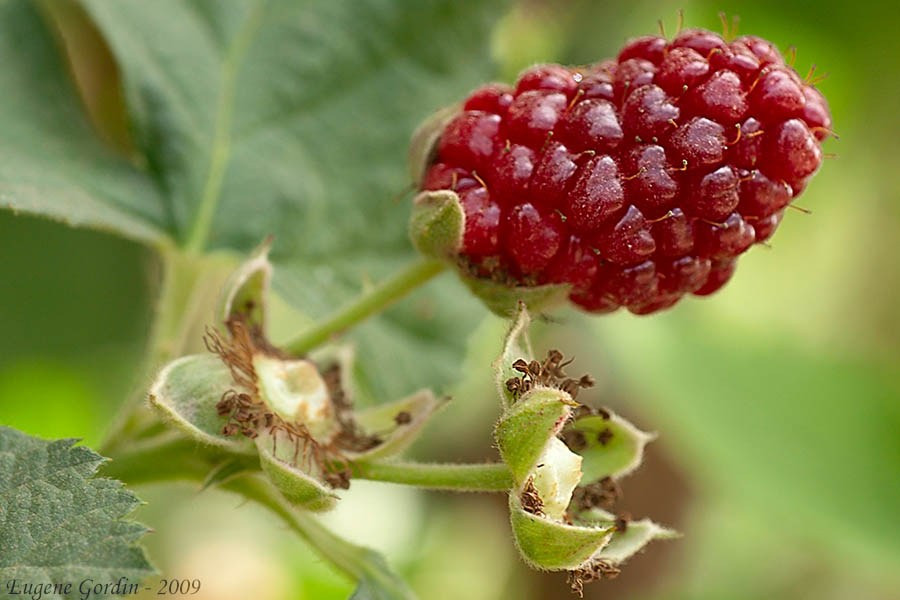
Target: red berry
[(674, 234), (633, 285), (547, 77), (469, 139), (720, 98), (512, 169), (628, 240), (533, 115), (725, 240), (681, 69), (592, 124), (715, 194), (651, 183), (575, 263), (766, 227), (698, 143), (777, 95), (648, 47), (736, 57), (532, 239), (761, 197), (636, 180), (482, 235), (746, 150), (719, 275), (598, 83), (790, 152), (701, 41), (683, 275), (552, 175), (649, 113), (441, 176), (492, 98), (596, 195), (631, 75)]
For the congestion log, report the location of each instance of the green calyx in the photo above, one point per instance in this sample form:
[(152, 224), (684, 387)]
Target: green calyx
[(551, 454), (296, 414)]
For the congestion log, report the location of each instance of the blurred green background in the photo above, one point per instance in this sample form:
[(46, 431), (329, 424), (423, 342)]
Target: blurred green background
[(777, 400)]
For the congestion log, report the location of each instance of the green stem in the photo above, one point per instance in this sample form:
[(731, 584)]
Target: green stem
[(180, 459), (347, 557), (487, 477), (188, 289), (367, 304)]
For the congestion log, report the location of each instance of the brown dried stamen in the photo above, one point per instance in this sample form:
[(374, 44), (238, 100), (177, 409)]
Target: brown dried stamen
[(531, 500), (549, 373), (600, 494)]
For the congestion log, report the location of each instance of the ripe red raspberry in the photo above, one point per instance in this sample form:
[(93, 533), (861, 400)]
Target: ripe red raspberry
[(636, 180)]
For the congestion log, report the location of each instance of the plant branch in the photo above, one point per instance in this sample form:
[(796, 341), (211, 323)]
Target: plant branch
[(347, 557), (369, 303), (485, 477), (170, 458)]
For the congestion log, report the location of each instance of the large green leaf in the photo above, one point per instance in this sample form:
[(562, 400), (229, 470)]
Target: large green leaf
[(293, 119), (51, 162), (60, 524)]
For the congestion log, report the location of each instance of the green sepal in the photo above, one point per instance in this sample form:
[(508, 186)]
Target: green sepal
[(420, 406), (424, 140), (551, 545), (246, 289), (437, 224), (622, 452), (516, 345), (380, 419), (281, 464), (526, 428), (625, 544), (504, 300), (186, 392)]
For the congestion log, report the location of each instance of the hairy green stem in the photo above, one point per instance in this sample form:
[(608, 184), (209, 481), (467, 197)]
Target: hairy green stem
[(187, 292), (347, 557), (170, 456), (178, 459), (486, 477), (367, 304)]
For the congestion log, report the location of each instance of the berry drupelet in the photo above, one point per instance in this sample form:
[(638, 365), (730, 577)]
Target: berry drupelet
[(636, 180)]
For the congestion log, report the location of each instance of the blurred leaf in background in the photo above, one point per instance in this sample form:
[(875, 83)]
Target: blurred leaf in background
[(777, 400)]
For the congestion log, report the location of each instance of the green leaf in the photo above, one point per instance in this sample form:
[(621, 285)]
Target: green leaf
[(551, 545), (515, 346), (619, 455), (281, 461), (59, 523), (51, 162), (294, 119), (186, 392), (379, 582), (528, 426)]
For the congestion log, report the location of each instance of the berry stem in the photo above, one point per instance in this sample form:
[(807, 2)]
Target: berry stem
[(369, 303), (354, 561), (178, 459), (485, 477)]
